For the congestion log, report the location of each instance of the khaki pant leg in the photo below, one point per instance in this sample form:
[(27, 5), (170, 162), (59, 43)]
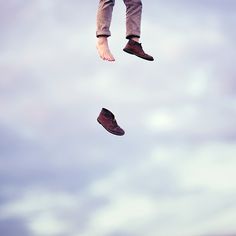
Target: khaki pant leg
[(104, 16), (133, 17)]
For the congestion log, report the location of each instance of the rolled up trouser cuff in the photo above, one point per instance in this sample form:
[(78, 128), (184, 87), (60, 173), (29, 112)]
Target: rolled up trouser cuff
[(130, 36), (103, 34)]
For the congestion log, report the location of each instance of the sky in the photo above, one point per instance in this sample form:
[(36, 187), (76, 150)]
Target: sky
[(171, 174)]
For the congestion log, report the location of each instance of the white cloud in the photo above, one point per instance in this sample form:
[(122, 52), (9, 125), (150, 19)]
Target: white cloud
[(202, 185), (49, 224), (209, 167), (128, 212), (37, 200), (43, 211), (52, 74), (173, 118)]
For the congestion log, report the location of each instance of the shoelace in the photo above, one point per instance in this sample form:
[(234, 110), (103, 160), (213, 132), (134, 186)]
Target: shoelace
[(114, 122)]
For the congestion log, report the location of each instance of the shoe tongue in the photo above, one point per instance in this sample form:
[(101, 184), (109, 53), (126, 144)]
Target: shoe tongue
[(134, 42), (107, 113)]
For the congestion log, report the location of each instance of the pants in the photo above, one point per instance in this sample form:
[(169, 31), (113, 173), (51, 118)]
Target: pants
[(133, 17)]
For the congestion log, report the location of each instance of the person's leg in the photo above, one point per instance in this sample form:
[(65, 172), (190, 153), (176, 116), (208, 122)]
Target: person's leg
[(133, 29), (104, 16), (133, 19)]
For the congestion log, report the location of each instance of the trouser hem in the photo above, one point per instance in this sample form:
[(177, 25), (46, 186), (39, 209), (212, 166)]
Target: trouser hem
[(132, 36)]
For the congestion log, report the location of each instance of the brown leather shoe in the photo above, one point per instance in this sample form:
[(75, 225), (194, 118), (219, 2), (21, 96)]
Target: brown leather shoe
[(136, 49), (107, 120)]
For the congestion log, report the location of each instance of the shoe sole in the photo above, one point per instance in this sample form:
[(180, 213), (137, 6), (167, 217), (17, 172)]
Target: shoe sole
[(110, 131), (131, 52)]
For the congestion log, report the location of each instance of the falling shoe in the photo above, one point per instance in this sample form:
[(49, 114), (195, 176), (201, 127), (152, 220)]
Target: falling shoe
[(107, 120), (136, 49)]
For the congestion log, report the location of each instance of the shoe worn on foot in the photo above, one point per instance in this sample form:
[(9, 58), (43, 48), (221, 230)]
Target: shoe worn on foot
[(107, 120), (136, 49)]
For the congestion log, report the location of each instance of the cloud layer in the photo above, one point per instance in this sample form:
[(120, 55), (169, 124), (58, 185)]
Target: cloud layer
[(171, 174)]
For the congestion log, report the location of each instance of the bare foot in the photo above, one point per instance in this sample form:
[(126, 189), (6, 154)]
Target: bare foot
[(103, 49)]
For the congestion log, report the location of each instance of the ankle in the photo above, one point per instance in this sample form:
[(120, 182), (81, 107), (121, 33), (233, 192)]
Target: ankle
[(136, 39), (102, 40)]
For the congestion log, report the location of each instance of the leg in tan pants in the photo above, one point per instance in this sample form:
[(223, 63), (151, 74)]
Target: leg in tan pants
[(133, 26)]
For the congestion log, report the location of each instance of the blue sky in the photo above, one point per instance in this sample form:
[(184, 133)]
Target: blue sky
[(172, 174)]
